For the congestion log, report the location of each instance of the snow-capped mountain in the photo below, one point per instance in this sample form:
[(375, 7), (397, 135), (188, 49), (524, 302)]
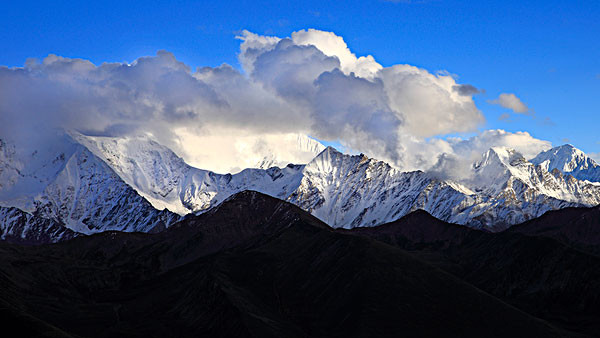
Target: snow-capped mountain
[(569, 160), (343, 190), (65, 182), (93, 184)]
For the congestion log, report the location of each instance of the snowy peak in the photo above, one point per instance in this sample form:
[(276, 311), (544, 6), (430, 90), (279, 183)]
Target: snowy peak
[(65, 182), (500, 157), (496, 167), (326, 161), (569, 160), (331, 160)]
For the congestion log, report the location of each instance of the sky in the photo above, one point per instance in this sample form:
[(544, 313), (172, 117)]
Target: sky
[(527, 66)]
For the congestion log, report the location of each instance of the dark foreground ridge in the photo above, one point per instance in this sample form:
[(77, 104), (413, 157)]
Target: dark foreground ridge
[(546, 267), (256, 266)]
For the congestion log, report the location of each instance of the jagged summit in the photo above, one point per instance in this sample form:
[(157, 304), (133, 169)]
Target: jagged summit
[(65, 182)]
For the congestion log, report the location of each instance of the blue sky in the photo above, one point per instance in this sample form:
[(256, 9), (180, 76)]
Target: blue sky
[(545, 52)]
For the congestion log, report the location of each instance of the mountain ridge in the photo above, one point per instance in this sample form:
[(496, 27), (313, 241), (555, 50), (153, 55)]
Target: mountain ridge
[(91, 180)]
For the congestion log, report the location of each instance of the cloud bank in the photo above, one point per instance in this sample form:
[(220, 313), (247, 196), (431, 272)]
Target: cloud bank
[(307, 84)]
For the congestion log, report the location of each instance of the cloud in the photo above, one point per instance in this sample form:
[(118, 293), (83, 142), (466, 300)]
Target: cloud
[(356, 101), (428, 103), (221, 118), (456, 162), (512, 102), (521, 141), (466, 90), (252, 46), (332, 45)]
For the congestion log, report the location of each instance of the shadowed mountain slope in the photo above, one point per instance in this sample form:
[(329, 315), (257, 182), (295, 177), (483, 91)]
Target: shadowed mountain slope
[(253, 267), (538, 266), (577, 227)]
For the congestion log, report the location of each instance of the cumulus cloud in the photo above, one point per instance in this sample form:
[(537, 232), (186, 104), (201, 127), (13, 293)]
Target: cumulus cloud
[(332, 45), (428, 103), (512, 102), (307, 84), (151, 93), (252, 46)]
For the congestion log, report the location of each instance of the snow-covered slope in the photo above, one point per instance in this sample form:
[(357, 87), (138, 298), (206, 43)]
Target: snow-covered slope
[(63, 181), (343, 190), (505, 189), (569, 160), (164, 179)]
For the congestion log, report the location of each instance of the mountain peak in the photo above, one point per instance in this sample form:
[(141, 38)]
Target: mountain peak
[(500, 157), (569, 160), (326, 160)]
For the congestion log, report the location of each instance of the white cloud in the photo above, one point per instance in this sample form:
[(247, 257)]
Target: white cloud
[(455, 162), (230, 150), (333, 45), (521, 141), (220, 118), (512, 102), (424, 154), (429, 104)]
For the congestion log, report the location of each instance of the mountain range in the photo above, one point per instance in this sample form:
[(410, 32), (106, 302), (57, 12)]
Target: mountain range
[(88, 184)]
